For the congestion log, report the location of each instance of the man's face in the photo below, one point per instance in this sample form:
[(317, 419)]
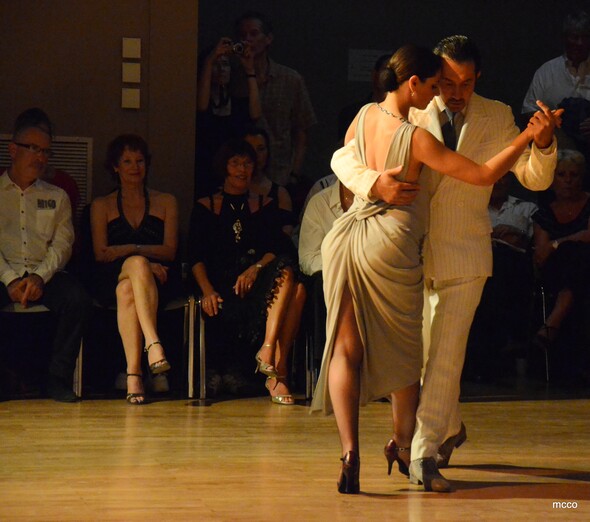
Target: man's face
[(457, 83), (577, 47), (250, 30), (26, 164)]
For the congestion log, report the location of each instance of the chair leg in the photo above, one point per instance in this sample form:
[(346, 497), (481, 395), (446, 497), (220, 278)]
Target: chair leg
[(78, 372), (308, 367), (191, 347), (202, 362)]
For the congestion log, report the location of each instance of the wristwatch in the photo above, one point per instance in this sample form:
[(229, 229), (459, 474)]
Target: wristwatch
[(555, 244)]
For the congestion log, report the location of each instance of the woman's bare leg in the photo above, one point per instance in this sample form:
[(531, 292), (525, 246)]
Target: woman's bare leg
[(563, 305), (276, 315), (404, 404), (289, 327), (286, 337), (344, 374), (137, 270), (131, 335)]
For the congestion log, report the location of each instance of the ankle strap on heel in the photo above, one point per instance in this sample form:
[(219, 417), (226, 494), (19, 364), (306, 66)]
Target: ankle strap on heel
[(147, 348)]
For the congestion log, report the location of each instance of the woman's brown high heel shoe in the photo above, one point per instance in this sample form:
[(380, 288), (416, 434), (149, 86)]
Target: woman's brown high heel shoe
[(392, 452), (160, 366), (348, 483)]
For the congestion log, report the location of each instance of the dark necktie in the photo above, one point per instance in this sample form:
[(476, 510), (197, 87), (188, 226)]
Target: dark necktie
[(448, 132)]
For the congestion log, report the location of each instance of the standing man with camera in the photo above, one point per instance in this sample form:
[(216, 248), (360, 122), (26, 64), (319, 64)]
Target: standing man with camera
[(286, 108)]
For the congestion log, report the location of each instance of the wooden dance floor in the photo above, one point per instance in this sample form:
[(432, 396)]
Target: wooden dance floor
[(248, 459)]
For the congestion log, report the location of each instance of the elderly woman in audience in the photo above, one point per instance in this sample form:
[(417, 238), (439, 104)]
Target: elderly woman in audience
[(562, 242), (261, 182), (246, 269), (134, 238)]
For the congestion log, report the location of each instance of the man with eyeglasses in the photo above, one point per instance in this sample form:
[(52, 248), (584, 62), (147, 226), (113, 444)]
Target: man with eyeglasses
[(36, 237)]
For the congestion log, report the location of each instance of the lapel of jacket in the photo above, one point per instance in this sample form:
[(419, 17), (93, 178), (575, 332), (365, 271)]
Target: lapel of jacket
[(474, 126)]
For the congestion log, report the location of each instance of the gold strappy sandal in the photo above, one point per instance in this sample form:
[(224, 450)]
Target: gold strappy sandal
[(160, 366), (285, 400)]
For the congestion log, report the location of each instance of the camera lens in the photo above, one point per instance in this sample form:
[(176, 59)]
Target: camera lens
[(238, 48)]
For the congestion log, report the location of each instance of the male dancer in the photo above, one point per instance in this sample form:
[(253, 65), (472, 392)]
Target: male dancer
[(457, 250)]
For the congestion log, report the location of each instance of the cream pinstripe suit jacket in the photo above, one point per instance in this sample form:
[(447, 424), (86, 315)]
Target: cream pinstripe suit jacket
[(458, 239)]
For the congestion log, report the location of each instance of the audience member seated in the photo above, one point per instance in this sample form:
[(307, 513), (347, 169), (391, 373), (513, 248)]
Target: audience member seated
[(246, 270), (500, 329), (135, 238), (261, 182), (562, 244), (221, 115), (57, 177), (322, 210), (565, 82), (318, 186), (36, 238)]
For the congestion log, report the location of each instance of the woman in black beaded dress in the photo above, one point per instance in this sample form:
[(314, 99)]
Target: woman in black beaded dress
[(245, 267), (134, 238)]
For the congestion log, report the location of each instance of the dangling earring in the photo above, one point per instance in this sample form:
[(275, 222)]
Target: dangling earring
[(412, 93)]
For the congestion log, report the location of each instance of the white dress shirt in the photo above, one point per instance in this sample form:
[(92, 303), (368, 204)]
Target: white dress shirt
[(36, 231), (321, 212), (516, 213), (556, 80)]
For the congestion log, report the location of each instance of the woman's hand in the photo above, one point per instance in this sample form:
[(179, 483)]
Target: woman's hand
[(111, 253), (160, 272), (211, 303), (245, 281)]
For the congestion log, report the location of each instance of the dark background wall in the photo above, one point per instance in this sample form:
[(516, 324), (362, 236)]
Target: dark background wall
[(314, 37), (65, 56)]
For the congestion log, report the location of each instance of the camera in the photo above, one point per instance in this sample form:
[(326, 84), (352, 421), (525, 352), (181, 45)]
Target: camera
[(238, 47)]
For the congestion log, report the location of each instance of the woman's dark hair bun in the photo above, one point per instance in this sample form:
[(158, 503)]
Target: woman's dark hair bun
[(388, 79)]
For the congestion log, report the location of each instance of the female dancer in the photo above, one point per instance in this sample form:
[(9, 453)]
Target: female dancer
[(372, 266)]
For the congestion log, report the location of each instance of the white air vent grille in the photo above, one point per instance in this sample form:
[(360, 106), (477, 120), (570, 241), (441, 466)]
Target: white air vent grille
[(72, 154)]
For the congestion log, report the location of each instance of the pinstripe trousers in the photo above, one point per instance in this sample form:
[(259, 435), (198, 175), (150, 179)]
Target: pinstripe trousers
[(452, 304)]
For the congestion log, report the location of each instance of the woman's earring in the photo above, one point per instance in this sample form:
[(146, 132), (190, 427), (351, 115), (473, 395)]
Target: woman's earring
[(412, 93)]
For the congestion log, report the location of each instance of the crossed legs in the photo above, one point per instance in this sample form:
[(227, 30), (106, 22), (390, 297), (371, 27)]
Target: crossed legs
[(137, 306), (282, 324)]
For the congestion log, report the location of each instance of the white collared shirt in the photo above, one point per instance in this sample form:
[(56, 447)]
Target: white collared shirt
[(443, 115), (556, 80), (36, 231), (321, 212), (514, 212)]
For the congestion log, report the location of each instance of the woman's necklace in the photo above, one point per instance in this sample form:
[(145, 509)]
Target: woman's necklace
[(382, 109), (237, 226)]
